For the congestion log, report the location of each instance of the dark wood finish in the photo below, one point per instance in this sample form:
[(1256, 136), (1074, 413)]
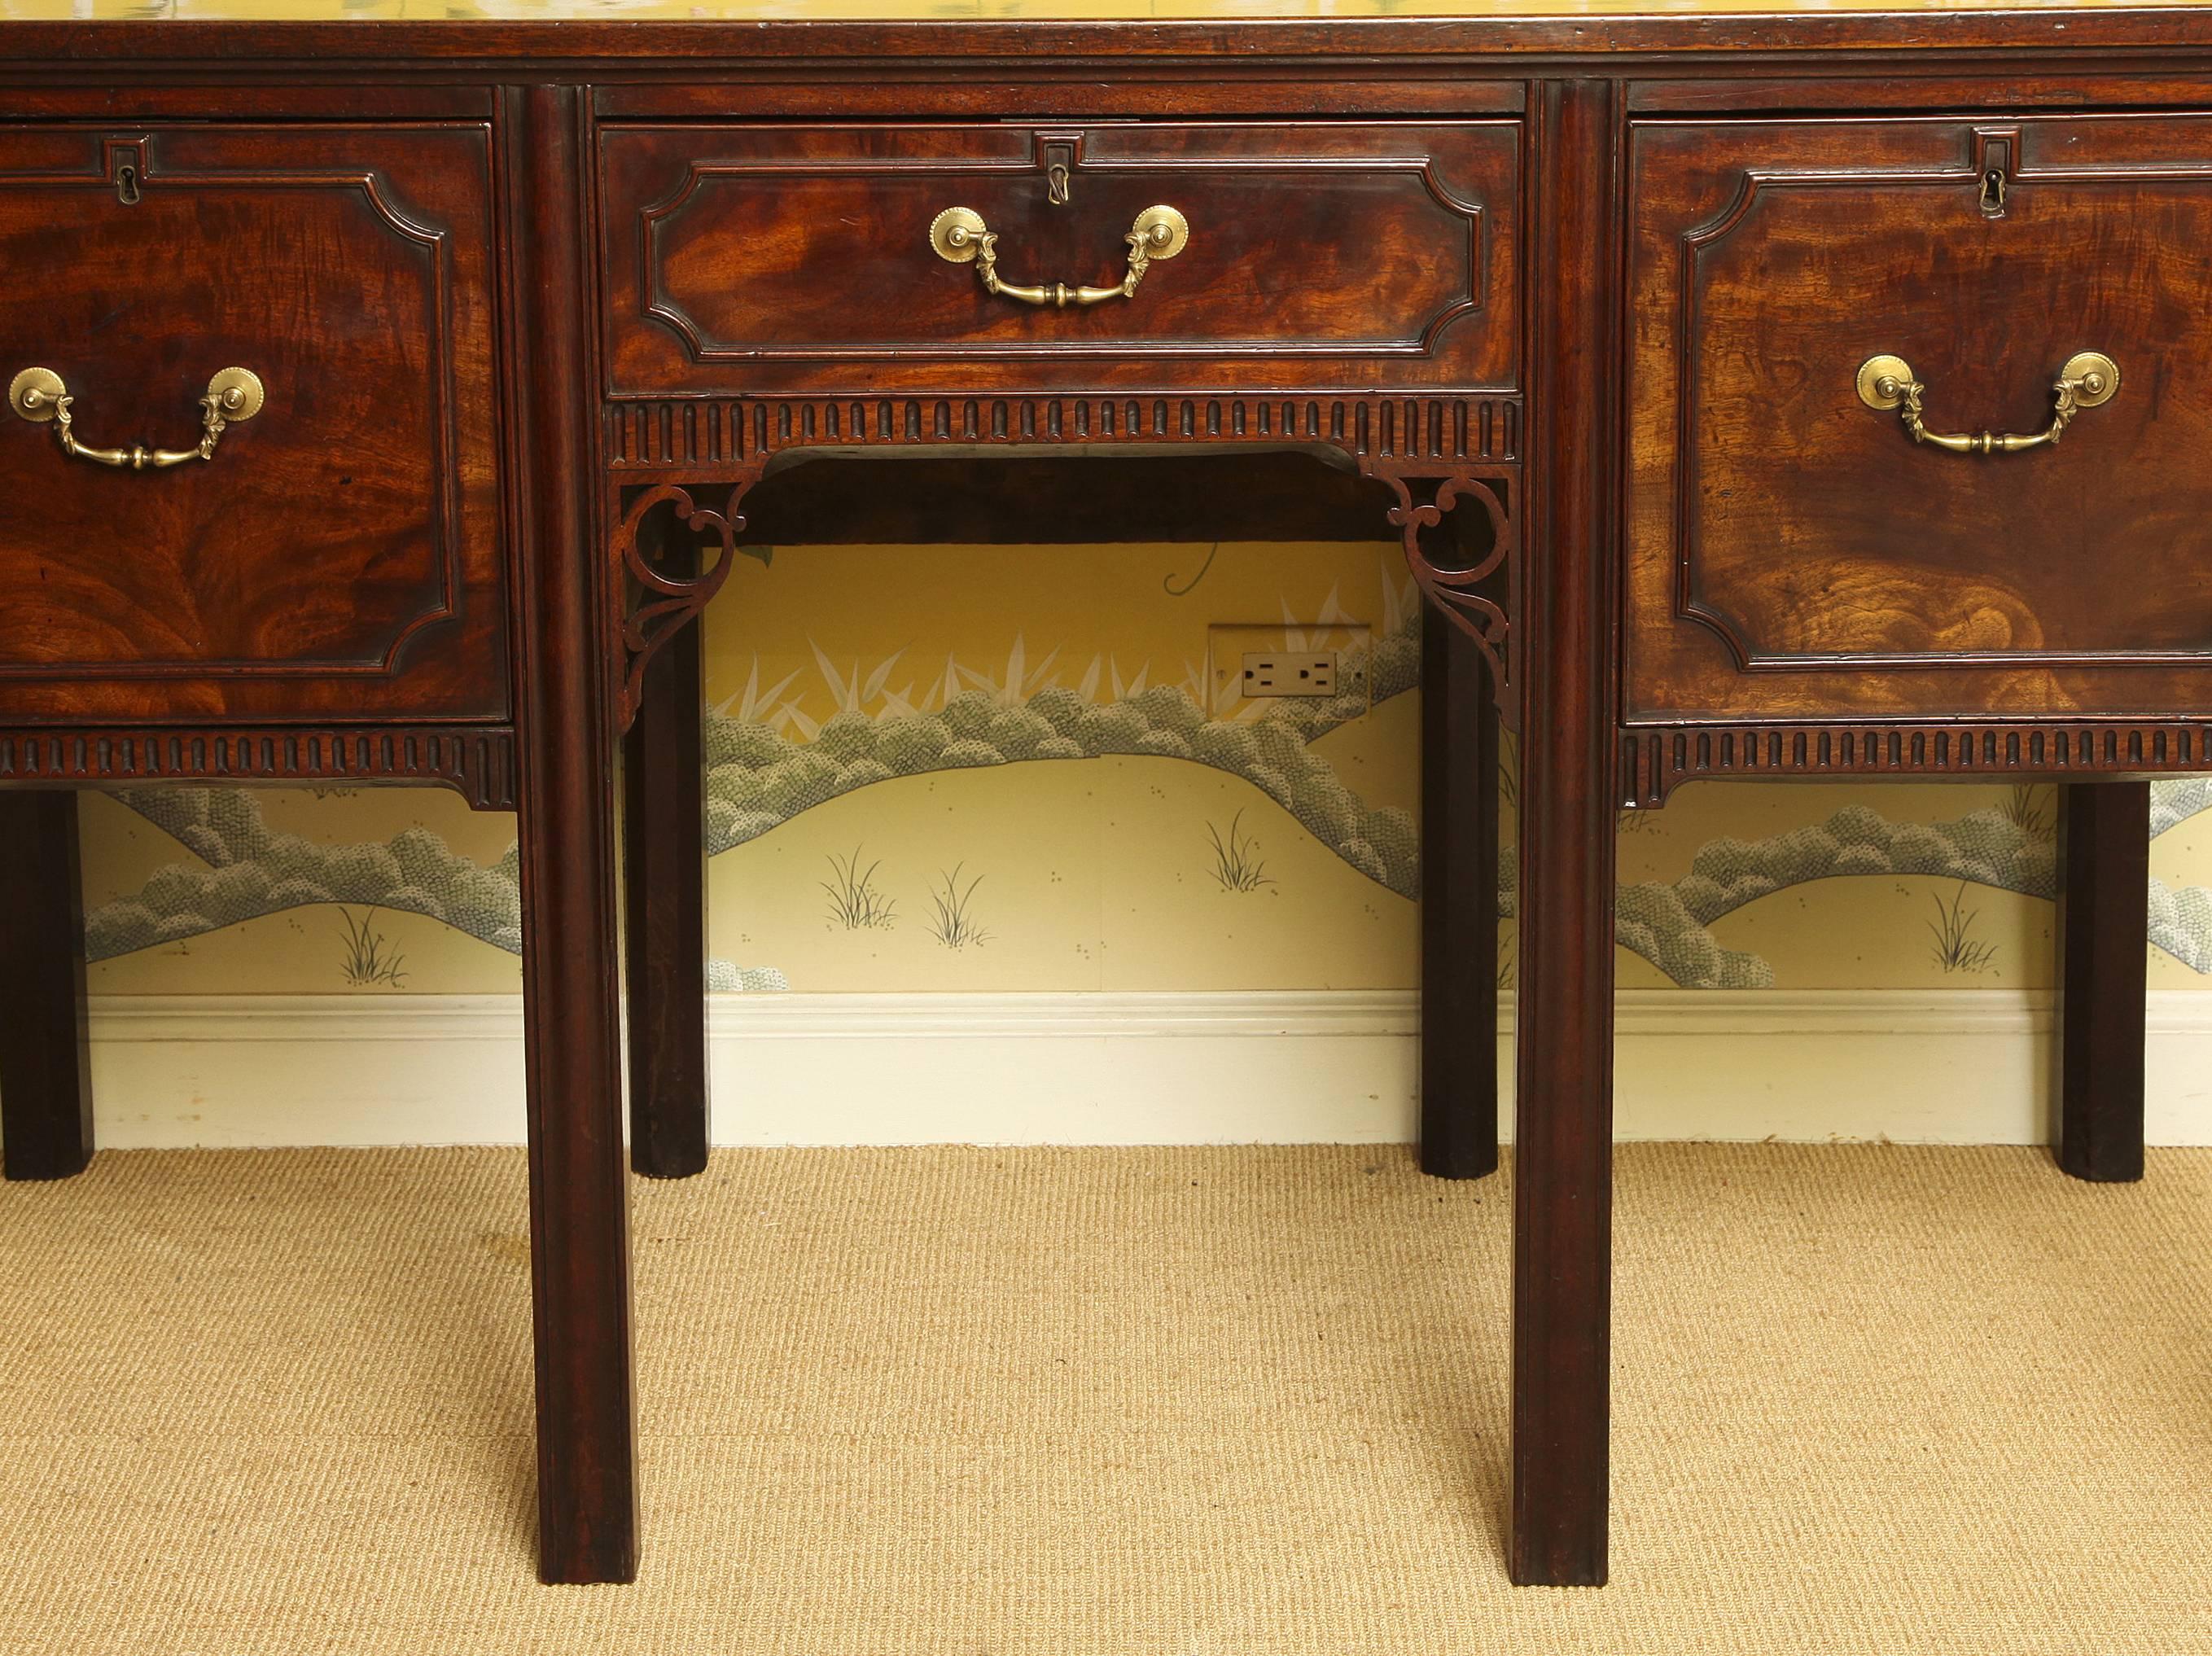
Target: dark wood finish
[(339, 555), (1655, 759), (2087, 83), (1793, 553), (1438, 455), (699, 440), (664, 901), (1403, 88), (848, 58), (1459, 904), (134, 104), (2104, 918), (196, 630), (45, 1064), (751, 258), (476, 761), (1056, 500), (579, 1196), (1563, 1111)]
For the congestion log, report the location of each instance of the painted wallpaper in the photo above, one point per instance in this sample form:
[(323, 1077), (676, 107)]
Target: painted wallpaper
[(954, 768)]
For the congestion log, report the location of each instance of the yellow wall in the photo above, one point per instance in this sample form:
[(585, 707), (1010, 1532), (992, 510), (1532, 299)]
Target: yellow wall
[(1037, 726)]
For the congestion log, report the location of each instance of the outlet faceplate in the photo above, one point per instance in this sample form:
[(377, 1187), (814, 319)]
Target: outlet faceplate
[(1250, 668), (1290, 672)]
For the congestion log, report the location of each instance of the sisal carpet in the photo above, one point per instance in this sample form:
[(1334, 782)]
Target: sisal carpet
[(1136, 1402)]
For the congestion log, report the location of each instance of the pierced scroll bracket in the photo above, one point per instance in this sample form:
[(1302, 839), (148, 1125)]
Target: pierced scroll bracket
[(658, 604), (1480, 598)]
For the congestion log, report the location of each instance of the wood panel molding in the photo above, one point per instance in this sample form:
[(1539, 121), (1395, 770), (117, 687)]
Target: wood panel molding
[(1655, 759), (141, 153), (757, 258), (1417, 337), (476, 761), (1761, 185), (711, 439)]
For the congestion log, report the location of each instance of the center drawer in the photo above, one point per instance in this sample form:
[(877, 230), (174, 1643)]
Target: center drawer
[(760, 258)]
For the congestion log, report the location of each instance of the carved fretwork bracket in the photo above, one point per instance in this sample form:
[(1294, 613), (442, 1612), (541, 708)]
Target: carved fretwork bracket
[(1437, 453), (659, 602), (1481, 596)]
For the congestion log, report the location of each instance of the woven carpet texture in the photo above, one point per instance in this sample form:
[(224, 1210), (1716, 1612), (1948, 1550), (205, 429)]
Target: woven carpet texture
[(1232, 1401)]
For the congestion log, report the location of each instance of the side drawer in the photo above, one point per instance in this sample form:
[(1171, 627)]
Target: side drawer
[(762, 259), (1793, 549), (337, 554)]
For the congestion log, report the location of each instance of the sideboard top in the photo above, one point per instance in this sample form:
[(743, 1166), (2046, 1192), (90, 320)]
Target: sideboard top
[(659, 32), (711, 11)]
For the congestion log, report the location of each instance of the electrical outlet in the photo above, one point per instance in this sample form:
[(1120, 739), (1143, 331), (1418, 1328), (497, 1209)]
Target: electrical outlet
[(1250, 667), (1284, 673)]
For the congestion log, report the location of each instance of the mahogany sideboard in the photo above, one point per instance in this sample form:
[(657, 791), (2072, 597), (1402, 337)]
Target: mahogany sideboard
[(1817, 393)]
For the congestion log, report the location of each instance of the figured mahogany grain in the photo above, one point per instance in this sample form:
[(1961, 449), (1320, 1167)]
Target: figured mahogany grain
[(339, 555), (1793, 553), (751, 258)]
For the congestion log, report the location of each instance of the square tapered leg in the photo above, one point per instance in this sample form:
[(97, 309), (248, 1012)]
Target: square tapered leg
[(45, 1072), (665, 902), (1563, 1098), (1459, 905), (571, 958), (2104, 922)]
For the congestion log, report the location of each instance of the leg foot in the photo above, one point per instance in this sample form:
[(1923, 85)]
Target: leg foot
[(2103, 926), (45, 1072), (1563, 1174)]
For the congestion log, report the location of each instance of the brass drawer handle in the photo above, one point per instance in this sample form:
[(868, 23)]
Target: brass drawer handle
[(2089, 378), (39, 395), (960, 236)]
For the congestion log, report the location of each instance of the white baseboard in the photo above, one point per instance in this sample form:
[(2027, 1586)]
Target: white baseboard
[(1965, 1066)]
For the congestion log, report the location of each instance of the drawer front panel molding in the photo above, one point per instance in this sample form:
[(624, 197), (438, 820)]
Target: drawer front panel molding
[(757, 258), (1867, 476), (276, 495)]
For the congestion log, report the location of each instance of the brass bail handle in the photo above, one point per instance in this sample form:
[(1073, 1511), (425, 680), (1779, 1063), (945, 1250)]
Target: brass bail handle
[(233, 396), (2089, 378), (960, 236)]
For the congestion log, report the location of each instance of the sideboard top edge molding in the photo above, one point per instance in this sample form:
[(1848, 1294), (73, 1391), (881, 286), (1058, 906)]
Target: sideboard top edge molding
[(311, 34)]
